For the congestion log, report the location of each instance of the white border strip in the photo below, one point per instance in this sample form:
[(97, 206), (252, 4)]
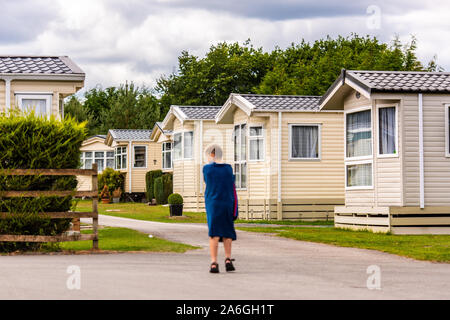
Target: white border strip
[(421, 160)]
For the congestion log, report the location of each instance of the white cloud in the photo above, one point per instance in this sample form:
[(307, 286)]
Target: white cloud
[(140, 40)]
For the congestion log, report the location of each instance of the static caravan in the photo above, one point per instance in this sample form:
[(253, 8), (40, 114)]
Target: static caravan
[(94, 150), (288, 156), (193, 130), (397, 143), (163, 137), (38, 83), (134, 156)]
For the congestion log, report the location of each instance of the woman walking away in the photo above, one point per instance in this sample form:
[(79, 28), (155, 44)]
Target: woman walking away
[(221, 206)]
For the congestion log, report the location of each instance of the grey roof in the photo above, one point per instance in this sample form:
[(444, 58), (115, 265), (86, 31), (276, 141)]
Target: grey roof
[(38, 65), (130, 134), (200, 112), (282, 103), (395, 81)]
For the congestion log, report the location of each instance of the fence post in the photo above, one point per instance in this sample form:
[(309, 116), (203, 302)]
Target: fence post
[(95, 207)]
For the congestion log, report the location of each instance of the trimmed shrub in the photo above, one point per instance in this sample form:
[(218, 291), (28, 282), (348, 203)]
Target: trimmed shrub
[(175, 198), (150, 182), (111, 178), (34, 142), (159, 190), (167, 186)]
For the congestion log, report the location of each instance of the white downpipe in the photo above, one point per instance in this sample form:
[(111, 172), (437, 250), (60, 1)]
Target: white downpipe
[(279, 156), (7, 94), (421, 160), (201, 156), (130, 157)]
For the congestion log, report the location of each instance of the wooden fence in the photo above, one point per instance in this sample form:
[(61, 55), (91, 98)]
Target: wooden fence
[(56, 215)]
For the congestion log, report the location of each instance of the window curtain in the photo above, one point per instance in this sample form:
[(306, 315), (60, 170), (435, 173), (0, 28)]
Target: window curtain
[(39, 105), (256, 149), (305, 142), (177, 146), (188, 144), (359, 175), (139, 157), (359, 134), (387, 130)]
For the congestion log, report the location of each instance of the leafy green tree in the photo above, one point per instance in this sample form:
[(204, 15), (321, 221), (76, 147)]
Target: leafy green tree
[(74, 108)]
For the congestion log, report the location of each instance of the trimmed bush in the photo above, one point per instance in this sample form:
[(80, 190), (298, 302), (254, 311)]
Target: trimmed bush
[(159, 190), (33, 142), (175, 198), (150, 182), (167, 186), (111, 178)]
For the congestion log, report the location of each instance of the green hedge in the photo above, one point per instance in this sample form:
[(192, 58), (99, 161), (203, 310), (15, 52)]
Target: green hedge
[(113, 179), (150, 183), (33, 142), (163, 187)]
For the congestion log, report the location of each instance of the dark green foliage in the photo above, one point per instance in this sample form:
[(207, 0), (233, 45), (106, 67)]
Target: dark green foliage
[(159, 190), (175, 198), (30, 142), (111, 178), (167, 186), (150, 182)]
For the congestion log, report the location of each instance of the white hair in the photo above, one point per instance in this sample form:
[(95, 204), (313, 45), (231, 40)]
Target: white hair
[(216, 150)]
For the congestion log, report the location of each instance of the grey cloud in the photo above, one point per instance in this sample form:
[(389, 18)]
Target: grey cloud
[(24, 20)]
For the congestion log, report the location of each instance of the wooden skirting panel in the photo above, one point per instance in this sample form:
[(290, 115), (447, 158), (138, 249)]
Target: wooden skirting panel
[(397, 220)]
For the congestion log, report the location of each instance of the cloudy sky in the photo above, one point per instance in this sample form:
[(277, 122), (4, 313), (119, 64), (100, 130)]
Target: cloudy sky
[(138, 40)]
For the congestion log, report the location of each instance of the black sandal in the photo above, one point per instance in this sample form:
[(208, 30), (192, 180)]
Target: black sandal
[(214, 268), (229, 265)]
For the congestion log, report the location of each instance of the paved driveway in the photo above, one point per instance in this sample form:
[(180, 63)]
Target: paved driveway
[(267, 268)]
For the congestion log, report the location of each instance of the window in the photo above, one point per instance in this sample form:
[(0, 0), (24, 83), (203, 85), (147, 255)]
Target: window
[(447, 130), (359, 159), (256, 143), (305, 141), (121, 157), (240, 156), (39, 103), (140, 157), (188, 145), (359, 175), (167, 155), (86, 160), (387, 131), (359, 134), (183, 145)]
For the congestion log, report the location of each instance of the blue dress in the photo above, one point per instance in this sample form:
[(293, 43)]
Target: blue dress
[(220, 201)]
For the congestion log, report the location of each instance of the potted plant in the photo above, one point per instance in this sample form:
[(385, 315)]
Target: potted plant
[(175, 205), (116, 195), (104, 195)]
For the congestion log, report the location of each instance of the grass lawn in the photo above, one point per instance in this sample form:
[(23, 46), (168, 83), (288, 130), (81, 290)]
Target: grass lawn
[(142, 211), (420, 247), (122, 239)]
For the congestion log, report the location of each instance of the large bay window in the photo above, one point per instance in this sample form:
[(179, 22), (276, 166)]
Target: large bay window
[(304, 141), (183, 145), (387, 131), (140, 157), (240, 156), (41, 104), (256, 143), (121, 158), (167, 155), (103, 159), (358, 162)]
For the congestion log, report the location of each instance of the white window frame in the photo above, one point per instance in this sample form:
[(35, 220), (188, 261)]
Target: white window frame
[(182, 158), (83, 158), (164, 152), (362, 159), (20, 96), (392, 155), (447, 130), (145, 156), (121, 154), (252, 138), (319, 137), (241, 161)]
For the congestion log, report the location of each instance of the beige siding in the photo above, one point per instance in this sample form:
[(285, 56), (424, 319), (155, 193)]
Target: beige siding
[(59, 89)]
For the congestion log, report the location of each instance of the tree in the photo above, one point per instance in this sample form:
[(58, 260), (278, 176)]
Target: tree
[(74, 108), (133, 108)]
